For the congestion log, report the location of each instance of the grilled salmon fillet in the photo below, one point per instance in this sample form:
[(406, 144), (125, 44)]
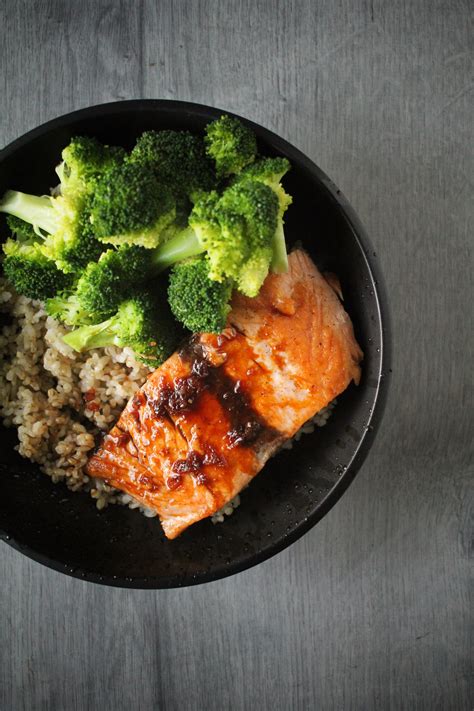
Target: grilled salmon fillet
[(206, 421)]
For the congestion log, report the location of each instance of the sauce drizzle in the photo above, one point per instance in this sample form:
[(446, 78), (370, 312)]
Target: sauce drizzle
[(245, 425)]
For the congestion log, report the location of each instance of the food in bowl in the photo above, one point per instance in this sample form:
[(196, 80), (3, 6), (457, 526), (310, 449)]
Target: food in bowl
[(178, 246)]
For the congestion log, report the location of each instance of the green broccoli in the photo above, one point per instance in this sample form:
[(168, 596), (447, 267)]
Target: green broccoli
[(236, 231), (30, 272), (26, 267), (247, 216), (104, 284), (185, 243), (178, 159), (84, 160), (139, 324), (230, 144), (101, 287), (37, 211), (154, 209), (200, 304), (73, 245), (63, 224), (65, 307), (267, 170), (22, 230), (270, 171), (129, 206), (63, 220)]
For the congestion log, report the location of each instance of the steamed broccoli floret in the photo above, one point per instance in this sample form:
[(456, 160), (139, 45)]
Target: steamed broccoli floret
[(64, 220), (63, 223), (65, 307), (178, 159), (267, 170), (37, 211), (21, 229), (186, 242), (30, 272), (129, 206), (247, 217), (138, 324), (26, 267), (270, 171), (84, 160), (230, 144), (101, 287), (104, 284), (73, 244), (235, 230), (197, 302)]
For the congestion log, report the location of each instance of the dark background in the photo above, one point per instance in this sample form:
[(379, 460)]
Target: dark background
[(370, 609)]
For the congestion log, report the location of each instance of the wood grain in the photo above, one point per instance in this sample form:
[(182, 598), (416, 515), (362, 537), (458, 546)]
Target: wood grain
[(370, 609)]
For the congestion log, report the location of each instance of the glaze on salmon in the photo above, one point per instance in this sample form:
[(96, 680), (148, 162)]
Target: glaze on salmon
[(206, 421)]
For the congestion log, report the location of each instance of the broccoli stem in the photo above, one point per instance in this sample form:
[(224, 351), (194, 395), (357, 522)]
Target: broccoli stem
[(84, 338), (279, 263), (183, 245), (38, 211)]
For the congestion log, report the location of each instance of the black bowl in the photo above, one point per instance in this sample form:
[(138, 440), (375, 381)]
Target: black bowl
[(297, 488)]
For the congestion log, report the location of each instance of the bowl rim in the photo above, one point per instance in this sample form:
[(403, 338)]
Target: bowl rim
[(383, 326)]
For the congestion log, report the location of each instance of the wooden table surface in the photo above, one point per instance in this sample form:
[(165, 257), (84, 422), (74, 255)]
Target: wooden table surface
[(370, 609)]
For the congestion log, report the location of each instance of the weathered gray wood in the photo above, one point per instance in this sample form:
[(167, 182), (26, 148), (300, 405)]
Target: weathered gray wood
[(370, 609)]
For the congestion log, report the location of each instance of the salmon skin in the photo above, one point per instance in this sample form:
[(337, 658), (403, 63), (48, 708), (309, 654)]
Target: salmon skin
[(206, 421)]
